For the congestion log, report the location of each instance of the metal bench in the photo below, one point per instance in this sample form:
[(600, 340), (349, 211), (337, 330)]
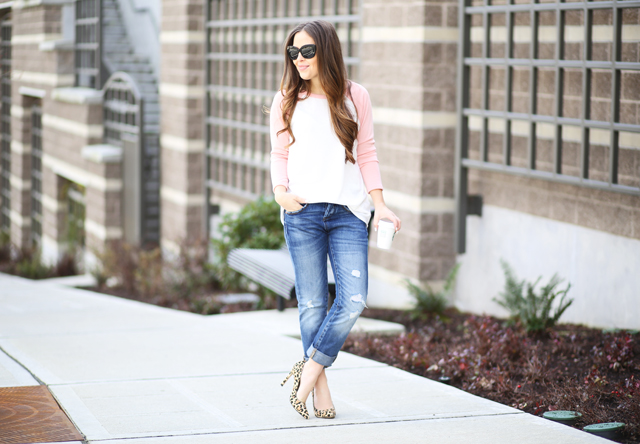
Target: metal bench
[(272, 269)]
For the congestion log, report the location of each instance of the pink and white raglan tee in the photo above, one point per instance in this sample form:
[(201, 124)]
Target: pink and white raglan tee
[(314, 167)]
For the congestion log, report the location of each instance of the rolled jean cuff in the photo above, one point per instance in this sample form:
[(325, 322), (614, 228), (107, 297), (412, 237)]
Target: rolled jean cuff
[(320, 357)]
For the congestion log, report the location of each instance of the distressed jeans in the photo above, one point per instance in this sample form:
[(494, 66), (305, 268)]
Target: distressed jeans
[(311, 233)]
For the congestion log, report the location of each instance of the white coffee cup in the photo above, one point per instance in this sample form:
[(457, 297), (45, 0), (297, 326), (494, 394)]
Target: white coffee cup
[(386, 232)]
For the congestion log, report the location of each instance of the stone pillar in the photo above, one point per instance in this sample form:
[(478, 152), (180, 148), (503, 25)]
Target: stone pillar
[(182, 122), (21, 170), (103, 219), (53, 214), (408, 65)]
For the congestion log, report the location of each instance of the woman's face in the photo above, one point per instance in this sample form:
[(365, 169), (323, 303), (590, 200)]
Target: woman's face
[(308, 68)]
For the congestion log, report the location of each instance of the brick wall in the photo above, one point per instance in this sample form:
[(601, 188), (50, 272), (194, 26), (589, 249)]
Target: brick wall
[(182, 121), (408, 65), (20, 169), (71, 120), (614, 213), (36, 70)]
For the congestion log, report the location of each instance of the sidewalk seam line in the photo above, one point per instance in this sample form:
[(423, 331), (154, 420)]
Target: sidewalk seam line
[(309, 426)]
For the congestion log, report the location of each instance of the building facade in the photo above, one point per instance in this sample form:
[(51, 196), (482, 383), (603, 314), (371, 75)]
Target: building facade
[(549, 137), (505, 130)]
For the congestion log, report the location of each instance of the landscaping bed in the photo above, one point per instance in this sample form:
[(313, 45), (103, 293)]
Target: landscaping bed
[(569, 367)]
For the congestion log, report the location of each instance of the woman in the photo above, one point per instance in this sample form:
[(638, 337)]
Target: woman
[(323, 165)]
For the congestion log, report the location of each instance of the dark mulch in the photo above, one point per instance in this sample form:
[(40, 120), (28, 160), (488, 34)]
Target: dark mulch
[(570, 367)]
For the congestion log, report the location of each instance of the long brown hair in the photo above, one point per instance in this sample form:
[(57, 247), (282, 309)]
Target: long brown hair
[(333, 79)]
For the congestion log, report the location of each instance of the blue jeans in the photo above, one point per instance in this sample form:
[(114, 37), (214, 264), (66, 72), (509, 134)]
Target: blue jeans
[(311, 233)]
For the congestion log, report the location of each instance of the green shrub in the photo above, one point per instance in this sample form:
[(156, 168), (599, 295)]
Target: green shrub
[(257, 225), (206, 306), (30, 266), (27, 261), (100, 275), (5, 247), (428, 301), (534, 310)]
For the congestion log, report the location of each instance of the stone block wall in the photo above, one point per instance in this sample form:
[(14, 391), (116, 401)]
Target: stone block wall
[(408, 65), (43, 74), (35, 73), (20, 169), (614, 213), (182, 122)]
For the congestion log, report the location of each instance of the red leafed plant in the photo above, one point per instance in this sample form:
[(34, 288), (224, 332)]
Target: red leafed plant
[(567, 367)]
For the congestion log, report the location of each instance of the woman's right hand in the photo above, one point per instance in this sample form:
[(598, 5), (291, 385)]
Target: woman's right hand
[(290, 202)]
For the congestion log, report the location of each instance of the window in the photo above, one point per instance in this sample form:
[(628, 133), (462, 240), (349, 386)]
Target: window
[(73, 196), (88, 43)]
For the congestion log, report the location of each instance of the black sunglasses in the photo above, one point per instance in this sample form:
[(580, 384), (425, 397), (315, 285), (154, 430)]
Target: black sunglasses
[(307, 51)]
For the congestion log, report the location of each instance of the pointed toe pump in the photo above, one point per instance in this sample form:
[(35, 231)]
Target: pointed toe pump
[(298, 405), (329, 413)]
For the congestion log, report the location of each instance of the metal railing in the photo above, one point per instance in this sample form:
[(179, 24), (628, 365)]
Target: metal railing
[(122, 109), (244, 57), (5, 123), (124, 127), (88, 45), (533, 95)]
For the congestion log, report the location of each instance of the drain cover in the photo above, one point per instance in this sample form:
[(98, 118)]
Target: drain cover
[(31, 415)]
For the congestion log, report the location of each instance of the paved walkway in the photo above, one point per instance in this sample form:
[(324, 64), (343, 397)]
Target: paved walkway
[(131, 373)]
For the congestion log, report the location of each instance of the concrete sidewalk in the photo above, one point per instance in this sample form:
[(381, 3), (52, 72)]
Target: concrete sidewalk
[(132, 373)]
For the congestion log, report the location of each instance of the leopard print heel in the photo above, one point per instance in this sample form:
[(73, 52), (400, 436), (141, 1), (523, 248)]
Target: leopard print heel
[(296, 372), (325, 413)]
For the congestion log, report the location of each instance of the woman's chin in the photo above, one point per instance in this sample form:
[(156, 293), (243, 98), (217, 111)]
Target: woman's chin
[(306, 75)]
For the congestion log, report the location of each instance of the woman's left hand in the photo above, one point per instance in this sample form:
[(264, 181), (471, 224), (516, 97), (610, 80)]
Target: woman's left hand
[(383, 212)]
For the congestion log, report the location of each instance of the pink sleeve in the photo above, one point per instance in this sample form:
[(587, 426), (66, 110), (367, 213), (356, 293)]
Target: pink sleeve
[(279, 149), (367, 157)]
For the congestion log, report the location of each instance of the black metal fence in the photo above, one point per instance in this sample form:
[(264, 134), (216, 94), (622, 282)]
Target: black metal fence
[(546, 91)]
